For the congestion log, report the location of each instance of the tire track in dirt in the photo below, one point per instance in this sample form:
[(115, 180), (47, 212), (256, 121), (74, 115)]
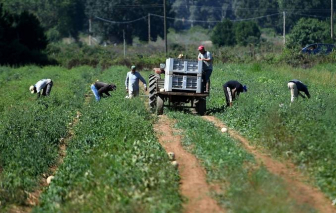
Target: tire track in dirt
[(296, 182), (193, 183)]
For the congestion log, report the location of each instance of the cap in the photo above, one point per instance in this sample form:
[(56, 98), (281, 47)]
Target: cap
[(201, 47), (180, 56), (245, 88), (31, 89), (133, 67)]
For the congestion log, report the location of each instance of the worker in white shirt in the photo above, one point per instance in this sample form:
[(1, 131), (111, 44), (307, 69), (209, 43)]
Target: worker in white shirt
[(43, 85)]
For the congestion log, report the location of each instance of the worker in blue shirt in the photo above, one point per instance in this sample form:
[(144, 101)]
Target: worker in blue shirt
[(132, 82)]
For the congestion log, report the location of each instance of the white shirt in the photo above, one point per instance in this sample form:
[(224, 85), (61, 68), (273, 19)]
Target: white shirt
[(41, 84)]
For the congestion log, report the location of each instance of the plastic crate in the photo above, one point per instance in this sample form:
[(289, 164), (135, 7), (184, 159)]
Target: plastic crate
[(183, 66)]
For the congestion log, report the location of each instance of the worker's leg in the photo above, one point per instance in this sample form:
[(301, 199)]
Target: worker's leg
[(48, 88), (207, 80), (95, 92), (294, 91), (228, 97)]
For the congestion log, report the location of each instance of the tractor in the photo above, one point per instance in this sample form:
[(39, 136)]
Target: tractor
[(182, 86)]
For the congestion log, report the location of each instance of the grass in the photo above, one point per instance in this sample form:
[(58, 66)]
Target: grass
[(30, 129), (302, 132), (114, 163), (246, 187)]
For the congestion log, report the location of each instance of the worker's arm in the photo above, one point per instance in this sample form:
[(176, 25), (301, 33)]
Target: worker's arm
[(143, 81), (104, 90), (126, 81), (307, 93), (209, 57)]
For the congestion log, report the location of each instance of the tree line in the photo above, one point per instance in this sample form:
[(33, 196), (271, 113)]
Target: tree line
[(67, 18)]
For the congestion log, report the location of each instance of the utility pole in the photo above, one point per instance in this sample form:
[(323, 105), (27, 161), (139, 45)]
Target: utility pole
[(165, 26), (90, 31), (149, 30), (284, 27), (332, 20), (124, 43)]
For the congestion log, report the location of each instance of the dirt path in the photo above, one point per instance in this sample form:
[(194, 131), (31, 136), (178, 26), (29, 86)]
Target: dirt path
[(297, 183), (193, 177), (33, 197)]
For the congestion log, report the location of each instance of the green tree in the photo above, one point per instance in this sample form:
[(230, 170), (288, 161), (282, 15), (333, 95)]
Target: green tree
[(123, 11), (246, 33), (223, 34), (21, 39), (308, 31), (62, 17)]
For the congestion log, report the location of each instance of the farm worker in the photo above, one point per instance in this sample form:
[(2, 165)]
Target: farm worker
[(232, 89), (295, 87), (100, 88), (45, 85), (132, 82), (206, 58)]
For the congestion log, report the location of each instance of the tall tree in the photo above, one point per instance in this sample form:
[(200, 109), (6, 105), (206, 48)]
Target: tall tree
[(124, 11), (64, 16)]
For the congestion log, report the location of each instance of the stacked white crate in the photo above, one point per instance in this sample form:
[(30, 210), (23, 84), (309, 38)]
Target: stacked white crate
[(183, 75)]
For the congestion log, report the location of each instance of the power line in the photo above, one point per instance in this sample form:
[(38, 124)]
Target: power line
[(121, 22), (260, 17), (199, 21)]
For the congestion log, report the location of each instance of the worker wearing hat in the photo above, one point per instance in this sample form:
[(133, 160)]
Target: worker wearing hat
[(43, 85), (295, 86), (206, 58), (100, 88), (232, 89), (132, 82)]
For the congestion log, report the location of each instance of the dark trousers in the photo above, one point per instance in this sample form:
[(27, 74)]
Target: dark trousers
[(46, 91)]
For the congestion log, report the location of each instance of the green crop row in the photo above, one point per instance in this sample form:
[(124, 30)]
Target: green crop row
[(30, 129), (114, 162), (303, 131), (245, 187)]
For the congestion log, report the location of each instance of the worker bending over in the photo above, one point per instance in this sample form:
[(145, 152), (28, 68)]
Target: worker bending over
[(206, 58), (132, 82), (296, 87), (232, 89), (45, 85), (100, 88)]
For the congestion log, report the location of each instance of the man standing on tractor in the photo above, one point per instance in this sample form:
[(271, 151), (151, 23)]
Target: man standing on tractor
[(295, 87), (232, 89), (206, 58), (132, 82), (45, 85)]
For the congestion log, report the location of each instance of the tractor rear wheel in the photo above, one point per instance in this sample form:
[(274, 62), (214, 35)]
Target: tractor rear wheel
[(152, 90)]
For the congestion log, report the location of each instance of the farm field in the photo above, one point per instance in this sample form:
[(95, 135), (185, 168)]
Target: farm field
[(114, 163)]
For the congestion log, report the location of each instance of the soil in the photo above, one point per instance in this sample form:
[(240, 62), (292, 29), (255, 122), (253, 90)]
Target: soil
[(193, 183), (33, 197), (297, 183)]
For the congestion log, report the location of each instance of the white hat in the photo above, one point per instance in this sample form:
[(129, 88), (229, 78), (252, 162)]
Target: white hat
[(32, 89)]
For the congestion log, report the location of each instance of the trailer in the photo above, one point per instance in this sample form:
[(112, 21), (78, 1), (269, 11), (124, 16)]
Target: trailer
[(182, 86)]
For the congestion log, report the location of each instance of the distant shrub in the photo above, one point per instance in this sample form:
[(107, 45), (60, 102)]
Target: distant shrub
[(308, 31)]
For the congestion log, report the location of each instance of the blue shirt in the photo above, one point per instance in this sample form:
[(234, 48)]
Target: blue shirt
[(132, 81)]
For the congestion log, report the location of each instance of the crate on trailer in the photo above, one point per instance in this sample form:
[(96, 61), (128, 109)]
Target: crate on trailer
[(188, 83), (183, 66)]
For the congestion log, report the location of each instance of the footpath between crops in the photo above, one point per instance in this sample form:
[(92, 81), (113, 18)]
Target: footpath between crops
[(193, 183), (33, 197), (296, 181)]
